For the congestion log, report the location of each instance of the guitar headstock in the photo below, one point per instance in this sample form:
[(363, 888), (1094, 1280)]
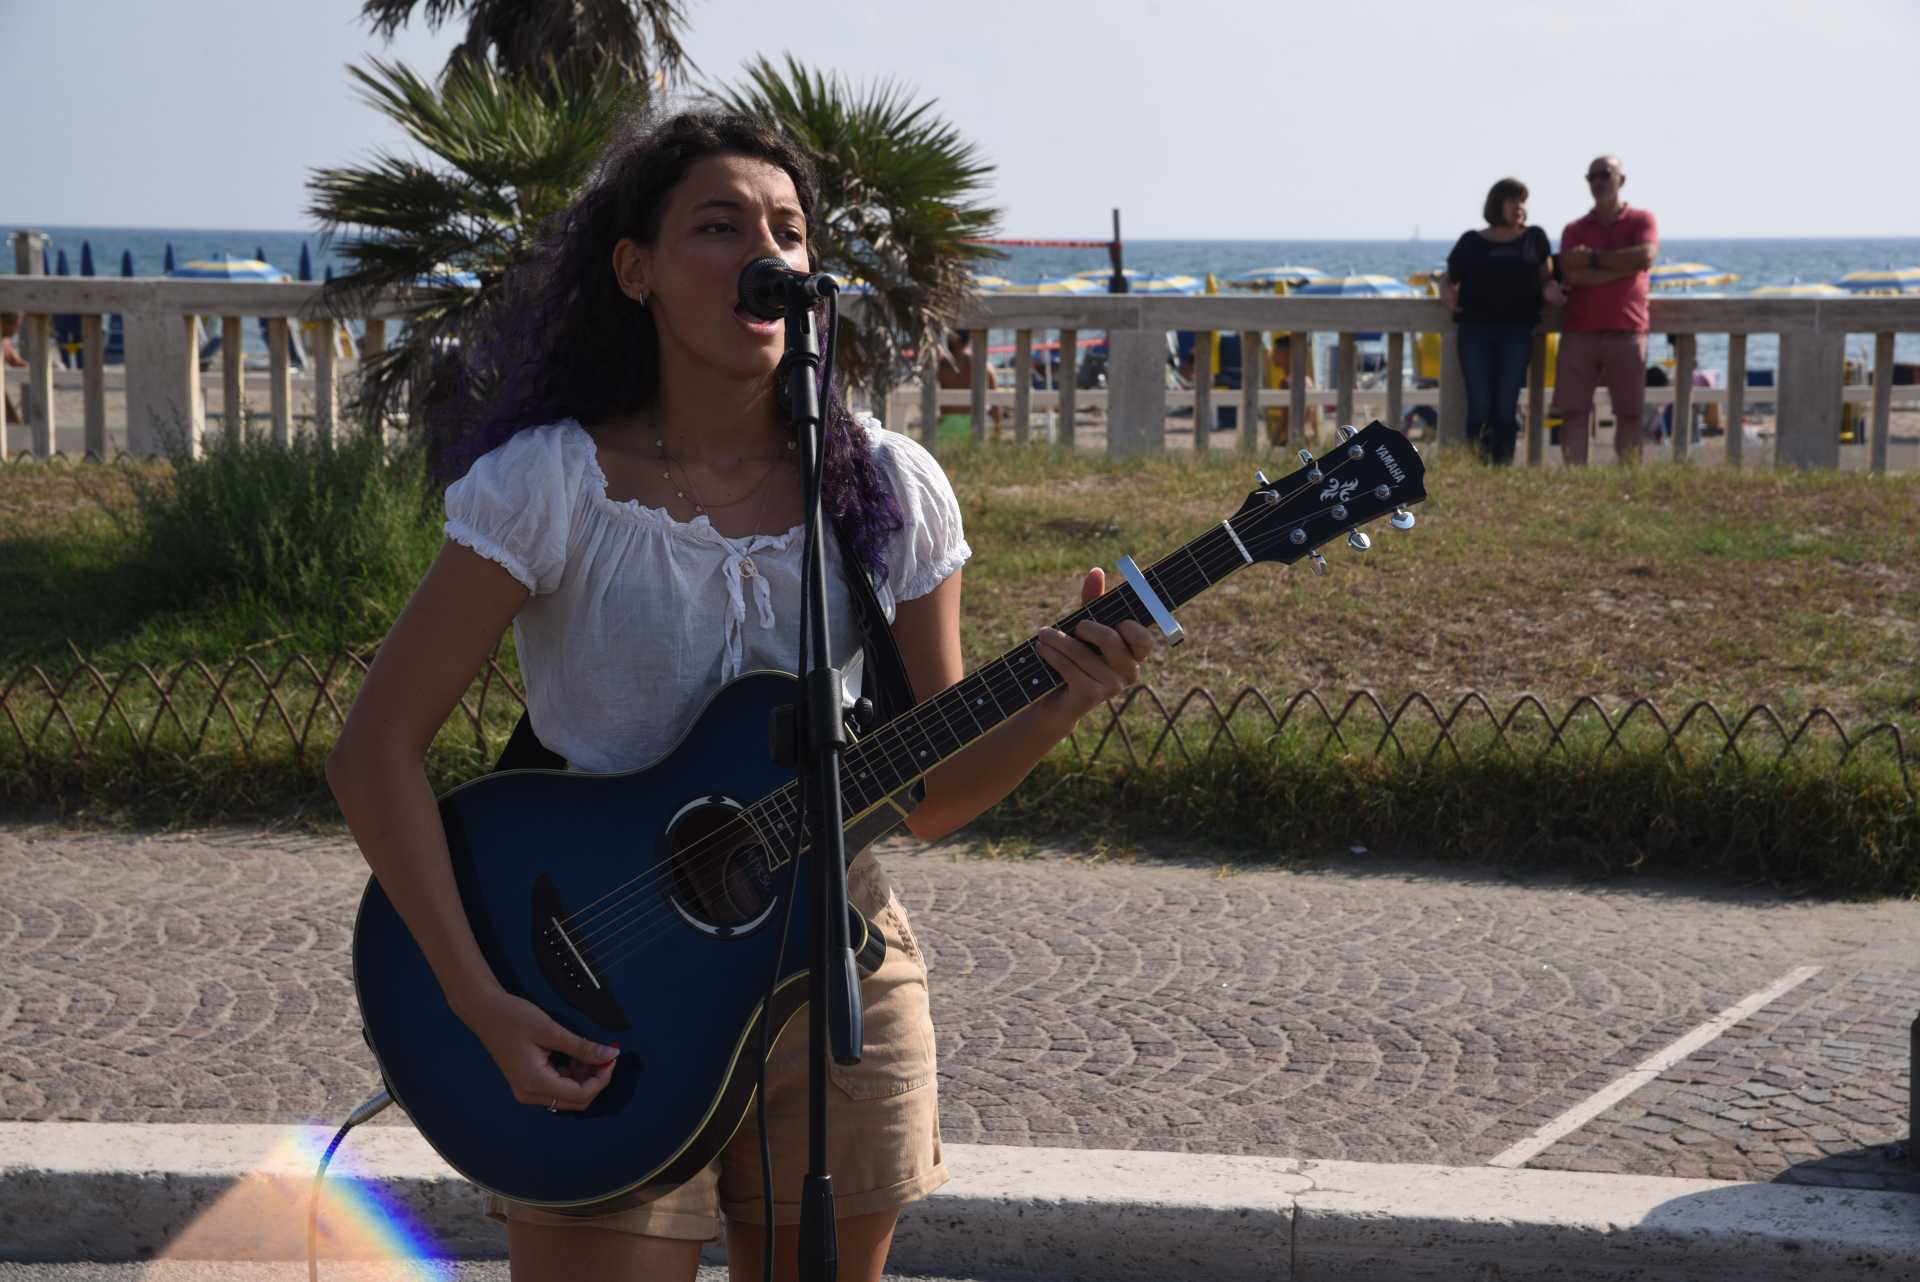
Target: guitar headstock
[(1369, 474)]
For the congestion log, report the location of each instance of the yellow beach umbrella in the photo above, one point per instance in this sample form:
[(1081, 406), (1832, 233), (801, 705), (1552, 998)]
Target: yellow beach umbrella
[(1797, 291), (1894, 280), (1688, 276)]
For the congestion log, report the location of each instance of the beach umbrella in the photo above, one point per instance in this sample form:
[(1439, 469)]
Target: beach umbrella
[(988, 284), (1688, 276), (1060, 285), (1355, 287), (126, 262), (329, 276), (1902, 280), (1101, 275), (447, 276), (167, 264), (260, 253), (306, 262), (1268, 277), (1164, 285), (61, 269), (225, 268), (1797, 291), (86, 258)]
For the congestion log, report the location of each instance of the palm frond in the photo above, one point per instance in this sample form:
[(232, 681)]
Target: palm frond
[(576, 39), (499, 157)]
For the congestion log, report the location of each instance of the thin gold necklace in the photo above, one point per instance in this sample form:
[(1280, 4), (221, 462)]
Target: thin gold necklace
[(683, 488)]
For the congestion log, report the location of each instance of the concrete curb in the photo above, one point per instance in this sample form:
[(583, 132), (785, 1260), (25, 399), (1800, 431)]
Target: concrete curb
[(98, 1191)]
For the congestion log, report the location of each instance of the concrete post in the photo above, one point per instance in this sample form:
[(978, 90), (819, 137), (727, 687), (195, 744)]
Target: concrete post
[(1453, 391), (1807, 432), (1137, 392), (163, 384)]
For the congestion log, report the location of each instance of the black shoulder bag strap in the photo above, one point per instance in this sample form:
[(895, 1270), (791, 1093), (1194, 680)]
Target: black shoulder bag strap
[(883, 680)]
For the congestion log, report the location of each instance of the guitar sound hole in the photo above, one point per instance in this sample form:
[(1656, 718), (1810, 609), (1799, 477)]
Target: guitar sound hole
[(720, 879)]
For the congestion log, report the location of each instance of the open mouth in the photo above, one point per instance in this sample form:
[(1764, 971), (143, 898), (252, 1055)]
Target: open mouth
[(754, 323)]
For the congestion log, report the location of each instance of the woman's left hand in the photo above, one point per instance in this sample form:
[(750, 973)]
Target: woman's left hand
[(1101, 664)]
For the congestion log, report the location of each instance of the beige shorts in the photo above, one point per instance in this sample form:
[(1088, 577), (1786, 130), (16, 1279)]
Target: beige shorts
[(884, 1116)]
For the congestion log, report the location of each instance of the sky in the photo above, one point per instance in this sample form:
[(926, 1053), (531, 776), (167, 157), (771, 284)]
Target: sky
[(1231, 119)]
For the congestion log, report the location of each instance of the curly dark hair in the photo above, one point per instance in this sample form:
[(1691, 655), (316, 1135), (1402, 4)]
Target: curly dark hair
[(562, 341)]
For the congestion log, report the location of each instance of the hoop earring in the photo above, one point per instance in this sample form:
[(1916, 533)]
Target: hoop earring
[(641, 297)]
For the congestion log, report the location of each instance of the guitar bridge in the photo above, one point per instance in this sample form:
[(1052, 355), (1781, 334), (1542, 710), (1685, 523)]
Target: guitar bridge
[(567, 963)]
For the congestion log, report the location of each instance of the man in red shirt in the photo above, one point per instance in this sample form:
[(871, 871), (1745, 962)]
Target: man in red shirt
[(1605, 256)]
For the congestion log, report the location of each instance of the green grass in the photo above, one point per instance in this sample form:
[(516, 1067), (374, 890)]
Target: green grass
[(1675, 584)]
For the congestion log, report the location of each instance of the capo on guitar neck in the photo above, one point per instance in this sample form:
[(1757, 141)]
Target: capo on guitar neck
[(1162, 617)]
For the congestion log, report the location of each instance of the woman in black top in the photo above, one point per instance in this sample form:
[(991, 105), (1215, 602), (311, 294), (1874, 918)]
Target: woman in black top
[(1496, 279)]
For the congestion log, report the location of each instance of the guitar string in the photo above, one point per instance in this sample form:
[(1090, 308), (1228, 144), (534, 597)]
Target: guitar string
[(730, 837), (889, 744), (620, 930), (624, 944), (734, 834)]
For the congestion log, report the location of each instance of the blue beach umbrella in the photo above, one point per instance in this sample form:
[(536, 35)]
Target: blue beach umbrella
[(1268, 277), (447, 276), (306, 262), (166, 264), (61, 260), (1061, 285), (329, 277), (225, 268), (86, 258), (1355, 287), (116, 352), (1163, 285), (1688, 276), (1901, 280)]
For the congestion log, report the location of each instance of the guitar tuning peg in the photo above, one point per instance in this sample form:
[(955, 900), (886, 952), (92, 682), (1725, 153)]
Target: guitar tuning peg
[(1313, 469), (1347, 432), (1261, 478), (1318, 562), (1402, 519), (1306, 458), (1358, 541)]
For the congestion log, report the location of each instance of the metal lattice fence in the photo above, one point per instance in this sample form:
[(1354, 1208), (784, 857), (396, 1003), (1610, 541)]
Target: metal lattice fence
[(246, 710)]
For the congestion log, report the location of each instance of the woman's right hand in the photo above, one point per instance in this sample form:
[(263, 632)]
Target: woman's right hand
[(523, 1039)]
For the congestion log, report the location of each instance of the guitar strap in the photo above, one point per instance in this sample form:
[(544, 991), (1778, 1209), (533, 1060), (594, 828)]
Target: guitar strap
[(883, 681)]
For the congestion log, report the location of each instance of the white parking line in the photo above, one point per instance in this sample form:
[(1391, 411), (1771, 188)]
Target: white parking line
[(1648, 1069)]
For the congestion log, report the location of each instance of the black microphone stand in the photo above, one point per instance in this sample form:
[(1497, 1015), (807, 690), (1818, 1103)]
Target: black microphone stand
[(833, 1000)]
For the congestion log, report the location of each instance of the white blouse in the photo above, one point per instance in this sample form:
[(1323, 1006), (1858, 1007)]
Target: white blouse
[(637, 618)]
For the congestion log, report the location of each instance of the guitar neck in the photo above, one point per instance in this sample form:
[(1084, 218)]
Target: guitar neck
[(901, 751)]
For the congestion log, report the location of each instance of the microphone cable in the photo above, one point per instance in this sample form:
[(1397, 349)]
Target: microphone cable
[(812, 498), (374, 1105)]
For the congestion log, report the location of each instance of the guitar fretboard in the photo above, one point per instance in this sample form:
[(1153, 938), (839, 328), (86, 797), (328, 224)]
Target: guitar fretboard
[(896, 754)]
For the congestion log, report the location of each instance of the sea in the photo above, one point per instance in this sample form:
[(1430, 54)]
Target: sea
[(1757, 262)]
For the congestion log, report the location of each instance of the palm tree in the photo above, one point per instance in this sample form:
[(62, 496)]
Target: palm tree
[(510, 153), (639, 39), (897, 211)]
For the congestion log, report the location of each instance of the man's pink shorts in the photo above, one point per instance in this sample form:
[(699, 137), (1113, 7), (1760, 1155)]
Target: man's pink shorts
[(1589, 359)]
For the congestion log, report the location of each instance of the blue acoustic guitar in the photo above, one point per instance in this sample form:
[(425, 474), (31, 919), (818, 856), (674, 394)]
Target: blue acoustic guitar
[(644, 909)]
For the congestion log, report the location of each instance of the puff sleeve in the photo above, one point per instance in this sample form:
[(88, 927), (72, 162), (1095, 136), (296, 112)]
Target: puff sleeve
[(515, 506), (932, 544)]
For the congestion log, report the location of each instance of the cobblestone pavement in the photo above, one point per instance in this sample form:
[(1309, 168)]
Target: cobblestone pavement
[(1392, 1014)]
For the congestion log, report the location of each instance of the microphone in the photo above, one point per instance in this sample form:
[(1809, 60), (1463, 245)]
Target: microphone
[(768, 285)]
